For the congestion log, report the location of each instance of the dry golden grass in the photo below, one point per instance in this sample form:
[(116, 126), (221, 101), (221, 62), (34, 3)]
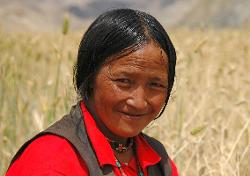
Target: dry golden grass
[(206, 128)]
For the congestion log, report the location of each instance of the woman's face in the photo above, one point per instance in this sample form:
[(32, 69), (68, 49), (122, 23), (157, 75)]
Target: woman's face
[(130, 91)]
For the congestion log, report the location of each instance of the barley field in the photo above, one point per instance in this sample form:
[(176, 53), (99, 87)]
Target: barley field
[(206, 125)]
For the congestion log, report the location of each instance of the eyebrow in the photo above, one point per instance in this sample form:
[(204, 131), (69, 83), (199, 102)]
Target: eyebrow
[(160, 78), (156, 78)]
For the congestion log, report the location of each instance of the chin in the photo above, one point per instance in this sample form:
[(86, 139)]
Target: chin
[(127, 134)]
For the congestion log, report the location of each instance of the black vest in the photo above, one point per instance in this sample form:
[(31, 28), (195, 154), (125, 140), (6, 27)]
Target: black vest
[(72, 128)]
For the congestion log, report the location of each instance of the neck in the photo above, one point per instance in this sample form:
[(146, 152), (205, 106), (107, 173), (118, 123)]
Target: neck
[(102, 127)]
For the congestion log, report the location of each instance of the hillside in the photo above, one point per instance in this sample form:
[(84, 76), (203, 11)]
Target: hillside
[(46, 15)]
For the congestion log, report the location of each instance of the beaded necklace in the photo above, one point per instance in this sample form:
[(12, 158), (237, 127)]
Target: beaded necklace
[(118, 164), (121, 148)]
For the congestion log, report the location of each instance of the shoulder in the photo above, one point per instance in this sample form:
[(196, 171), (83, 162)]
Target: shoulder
[(160, 149), (48, 146), (47, 153), (156, 145), (174, 168)]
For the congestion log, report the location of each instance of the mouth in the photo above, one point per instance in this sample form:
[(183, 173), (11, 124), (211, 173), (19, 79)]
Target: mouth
[(132, 115)]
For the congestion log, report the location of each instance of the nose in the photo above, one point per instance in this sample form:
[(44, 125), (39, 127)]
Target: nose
[(138, 99)]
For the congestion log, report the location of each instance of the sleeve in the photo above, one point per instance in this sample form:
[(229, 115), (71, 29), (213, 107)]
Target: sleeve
[(49, 155), (174, 168)]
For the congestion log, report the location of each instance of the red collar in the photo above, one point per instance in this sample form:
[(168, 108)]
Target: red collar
[(105, 155)]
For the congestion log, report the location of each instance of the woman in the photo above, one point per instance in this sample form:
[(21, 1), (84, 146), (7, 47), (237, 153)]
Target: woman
[(124, 75)]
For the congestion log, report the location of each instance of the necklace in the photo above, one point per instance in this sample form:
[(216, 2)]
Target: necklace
[(118, 164), (140, 173), (121, 148)]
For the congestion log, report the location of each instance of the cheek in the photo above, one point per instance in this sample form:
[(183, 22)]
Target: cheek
[(158, 101), (107, 93)]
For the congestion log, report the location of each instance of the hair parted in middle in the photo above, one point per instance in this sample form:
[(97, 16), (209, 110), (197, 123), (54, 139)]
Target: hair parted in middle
[(118, 32)]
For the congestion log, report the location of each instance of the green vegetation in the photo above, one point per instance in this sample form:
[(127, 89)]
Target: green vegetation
[(206, 126)]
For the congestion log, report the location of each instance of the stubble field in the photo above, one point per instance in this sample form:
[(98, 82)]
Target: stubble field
[(206, 126)]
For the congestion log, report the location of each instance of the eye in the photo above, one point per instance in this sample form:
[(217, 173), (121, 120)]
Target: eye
[(123, 80), (157, 85)]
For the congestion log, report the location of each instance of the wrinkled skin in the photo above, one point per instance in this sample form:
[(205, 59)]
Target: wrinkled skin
[(130, 91)]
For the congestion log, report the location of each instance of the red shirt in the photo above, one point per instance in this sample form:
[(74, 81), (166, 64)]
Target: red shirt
[(54, 155)]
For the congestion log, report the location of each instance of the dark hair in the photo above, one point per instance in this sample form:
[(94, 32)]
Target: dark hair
[(113, 33)]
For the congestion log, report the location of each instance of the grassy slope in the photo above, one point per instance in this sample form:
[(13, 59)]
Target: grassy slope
[(206, 128)]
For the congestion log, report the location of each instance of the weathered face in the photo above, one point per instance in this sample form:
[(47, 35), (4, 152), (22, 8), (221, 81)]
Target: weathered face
[(129, 92)]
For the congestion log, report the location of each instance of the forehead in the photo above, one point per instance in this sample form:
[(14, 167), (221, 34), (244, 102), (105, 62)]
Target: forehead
[(148, 57)]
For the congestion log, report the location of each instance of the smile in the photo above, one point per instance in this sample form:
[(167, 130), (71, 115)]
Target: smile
[(132, 116)]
